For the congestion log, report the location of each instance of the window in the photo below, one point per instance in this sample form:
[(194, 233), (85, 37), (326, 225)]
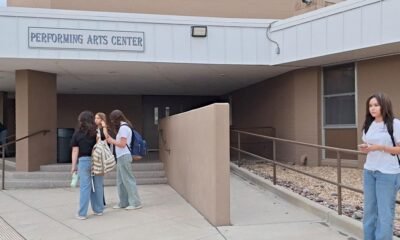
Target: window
[(339, 96)]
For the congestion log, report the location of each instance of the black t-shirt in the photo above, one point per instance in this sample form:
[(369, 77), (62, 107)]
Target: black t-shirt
[(84, 142), (102, 135)]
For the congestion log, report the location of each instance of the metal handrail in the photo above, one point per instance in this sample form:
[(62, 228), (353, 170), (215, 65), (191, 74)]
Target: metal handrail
[(274, 140), (10, 136), (257, 127), (301, 143), (153, 150), (3, 147)]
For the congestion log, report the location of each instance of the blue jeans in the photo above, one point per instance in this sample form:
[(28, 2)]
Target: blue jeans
[(86, 190), (380, 192), (126, 183)]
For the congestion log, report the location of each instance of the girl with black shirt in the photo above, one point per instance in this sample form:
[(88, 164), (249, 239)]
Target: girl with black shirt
[(91, 187)]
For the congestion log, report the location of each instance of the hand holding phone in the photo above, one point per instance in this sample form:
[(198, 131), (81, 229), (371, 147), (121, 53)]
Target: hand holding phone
[(363, 145)]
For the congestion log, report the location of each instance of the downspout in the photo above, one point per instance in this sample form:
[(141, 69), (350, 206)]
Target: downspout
[(278, 49)]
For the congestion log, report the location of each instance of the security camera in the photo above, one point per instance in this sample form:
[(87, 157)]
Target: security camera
[(308, 2)]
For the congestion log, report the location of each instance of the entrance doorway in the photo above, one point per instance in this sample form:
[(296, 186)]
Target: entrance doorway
[(157, 107)]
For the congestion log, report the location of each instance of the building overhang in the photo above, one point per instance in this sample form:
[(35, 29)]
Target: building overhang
[(141, 78), (234, 54)]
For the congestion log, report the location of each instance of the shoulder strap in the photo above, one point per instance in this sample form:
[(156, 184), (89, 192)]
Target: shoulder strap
[(98, 133), (390, 130)]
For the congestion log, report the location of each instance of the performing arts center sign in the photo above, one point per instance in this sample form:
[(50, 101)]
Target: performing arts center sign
[(67, 38)]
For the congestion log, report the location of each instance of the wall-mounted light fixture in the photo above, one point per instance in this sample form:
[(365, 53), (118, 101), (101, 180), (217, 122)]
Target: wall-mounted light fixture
[(199, 31), (308, 2)]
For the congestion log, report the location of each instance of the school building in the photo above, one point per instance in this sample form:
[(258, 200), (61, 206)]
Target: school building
[(293, 69)]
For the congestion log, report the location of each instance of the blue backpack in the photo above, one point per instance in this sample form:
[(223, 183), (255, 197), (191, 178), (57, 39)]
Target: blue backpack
[(138, 146)]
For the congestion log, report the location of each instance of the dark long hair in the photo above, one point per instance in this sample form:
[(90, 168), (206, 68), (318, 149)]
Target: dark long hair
[(86, 124), (116, 117), (386, 111)]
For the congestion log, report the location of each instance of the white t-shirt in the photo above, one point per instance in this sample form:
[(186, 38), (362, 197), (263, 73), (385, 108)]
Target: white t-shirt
[(379, 160), (123, 132)]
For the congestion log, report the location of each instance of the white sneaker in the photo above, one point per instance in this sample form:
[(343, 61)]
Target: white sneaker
[(80, 217), (133, 208), (117, 206), (98, 214)]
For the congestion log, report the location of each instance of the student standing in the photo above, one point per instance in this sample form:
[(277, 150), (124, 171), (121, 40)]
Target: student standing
[(102, 131), (381, 169), (90, 187), (102, 126), (126, 182)]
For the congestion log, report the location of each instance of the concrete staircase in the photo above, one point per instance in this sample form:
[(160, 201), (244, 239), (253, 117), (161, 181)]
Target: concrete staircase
[(58, 176)]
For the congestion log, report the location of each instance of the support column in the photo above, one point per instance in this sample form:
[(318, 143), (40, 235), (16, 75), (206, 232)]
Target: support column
[(36, 109)]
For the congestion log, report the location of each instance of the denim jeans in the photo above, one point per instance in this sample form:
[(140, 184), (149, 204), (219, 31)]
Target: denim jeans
[(380, 192), (86, 189), (126, 183)]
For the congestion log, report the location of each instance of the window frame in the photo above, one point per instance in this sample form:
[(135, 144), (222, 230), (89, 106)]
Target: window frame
[(324, 97)]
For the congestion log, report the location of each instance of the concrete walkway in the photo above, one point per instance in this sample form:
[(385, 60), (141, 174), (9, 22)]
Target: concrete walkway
[(256, 214)]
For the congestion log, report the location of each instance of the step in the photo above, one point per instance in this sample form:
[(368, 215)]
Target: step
[(67, 175), (10, 165), (150, 166), (42, 183)]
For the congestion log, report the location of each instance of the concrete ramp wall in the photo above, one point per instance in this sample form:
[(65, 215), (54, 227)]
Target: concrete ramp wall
[(194, 147)]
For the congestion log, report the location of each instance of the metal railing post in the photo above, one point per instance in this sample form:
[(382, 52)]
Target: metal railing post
[(274, 159), (238, 163), (339, 181), (3, 171)]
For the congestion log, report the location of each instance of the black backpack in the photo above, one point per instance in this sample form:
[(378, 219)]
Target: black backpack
[(390, 130)]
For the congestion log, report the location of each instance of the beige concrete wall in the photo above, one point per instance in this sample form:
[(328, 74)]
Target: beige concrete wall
[(290, 104), (341, 138), (29, 3), (301, 7), (275, 9), (197, 165), (36, 109), (380, 74), (260, 105), (307, 114), (69, 107), (262, 147)]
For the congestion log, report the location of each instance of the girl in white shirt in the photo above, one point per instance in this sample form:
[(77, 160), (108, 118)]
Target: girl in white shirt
[(127, 191), (382, 167)]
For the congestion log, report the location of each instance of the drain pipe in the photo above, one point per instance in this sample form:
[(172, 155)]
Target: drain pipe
[(278, 49)]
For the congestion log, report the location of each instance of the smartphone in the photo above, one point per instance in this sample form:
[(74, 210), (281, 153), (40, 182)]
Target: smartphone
[(363, 145)]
